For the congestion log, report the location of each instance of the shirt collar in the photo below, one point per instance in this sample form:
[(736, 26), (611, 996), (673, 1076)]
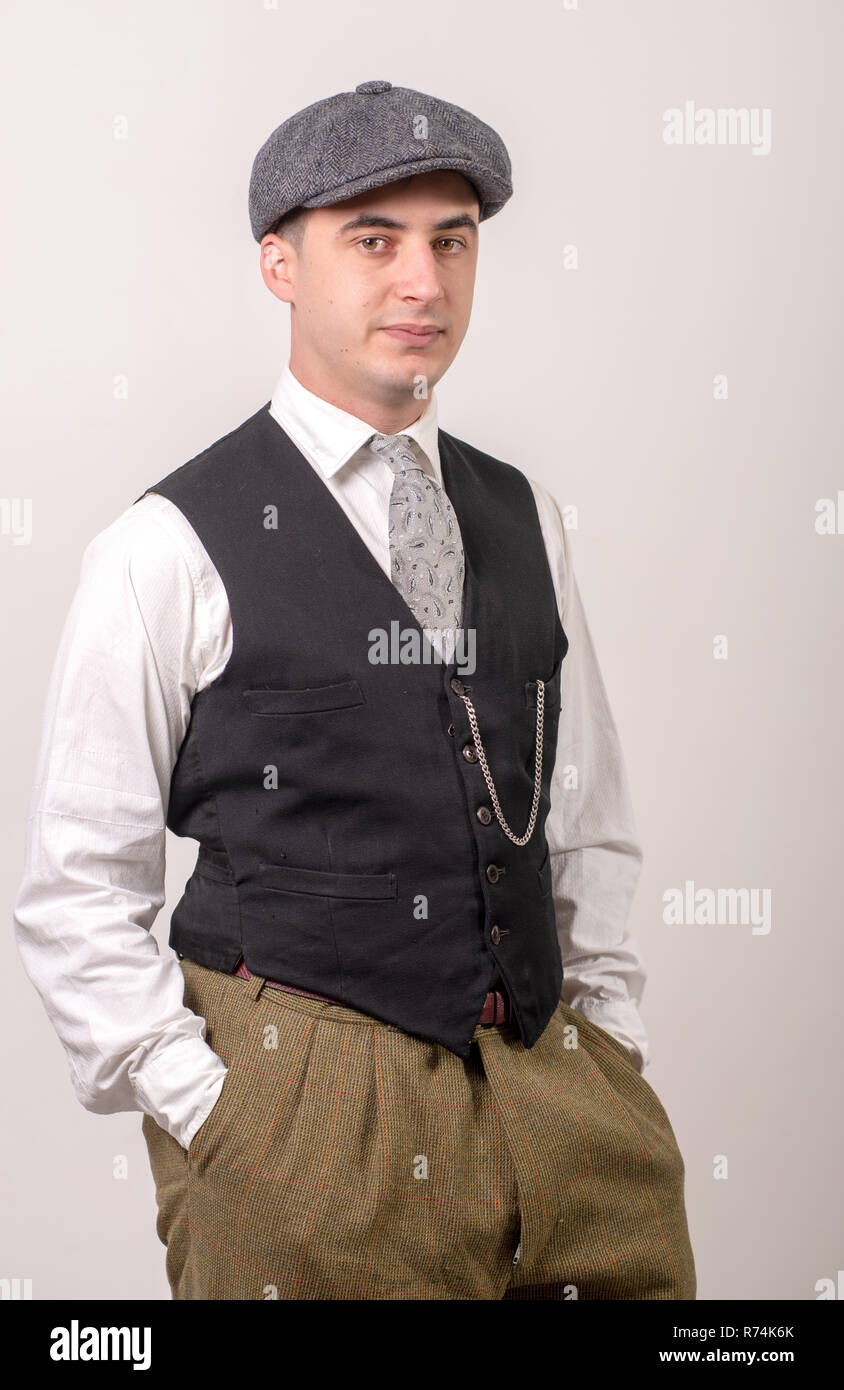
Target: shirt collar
[(331, 436)]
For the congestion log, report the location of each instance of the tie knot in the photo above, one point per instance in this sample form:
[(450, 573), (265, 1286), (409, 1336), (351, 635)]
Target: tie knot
[(397, 449)]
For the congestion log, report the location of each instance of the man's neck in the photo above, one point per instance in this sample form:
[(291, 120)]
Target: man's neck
[(385, 418)]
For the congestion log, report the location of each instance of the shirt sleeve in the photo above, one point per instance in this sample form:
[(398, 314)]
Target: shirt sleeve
[(596, 856), (131, 655)]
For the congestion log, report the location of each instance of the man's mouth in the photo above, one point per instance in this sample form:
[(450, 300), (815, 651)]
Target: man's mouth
[(417, 334)]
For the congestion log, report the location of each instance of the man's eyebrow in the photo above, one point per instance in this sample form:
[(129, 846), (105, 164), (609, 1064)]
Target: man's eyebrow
[(378, 219)]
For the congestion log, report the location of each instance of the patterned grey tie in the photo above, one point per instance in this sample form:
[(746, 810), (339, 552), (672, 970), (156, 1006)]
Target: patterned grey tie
[(426, 549)]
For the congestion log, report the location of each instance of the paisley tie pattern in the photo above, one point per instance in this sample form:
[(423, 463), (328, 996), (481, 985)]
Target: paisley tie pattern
[(427, 563)]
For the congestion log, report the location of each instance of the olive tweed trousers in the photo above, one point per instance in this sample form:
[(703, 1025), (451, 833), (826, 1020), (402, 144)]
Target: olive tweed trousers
[(346, 1159)]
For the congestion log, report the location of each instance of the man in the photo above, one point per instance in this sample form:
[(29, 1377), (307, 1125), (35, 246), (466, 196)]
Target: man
[(331, 649)]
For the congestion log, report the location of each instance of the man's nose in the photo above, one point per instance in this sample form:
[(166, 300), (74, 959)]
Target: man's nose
[(419, 274)]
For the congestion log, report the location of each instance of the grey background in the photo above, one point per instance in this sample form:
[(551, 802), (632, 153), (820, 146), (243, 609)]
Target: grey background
[(696, 516)]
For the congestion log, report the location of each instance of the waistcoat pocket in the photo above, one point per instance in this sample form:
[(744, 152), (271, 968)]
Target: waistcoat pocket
[(283, 878), (553, 691), (311, 700)]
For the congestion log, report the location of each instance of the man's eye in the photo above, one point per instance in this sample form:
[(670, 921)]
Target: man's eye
[(441, 241)]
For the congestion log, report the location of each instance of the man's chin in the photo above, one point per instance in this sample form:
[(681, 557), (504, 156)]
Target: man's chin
[(403, 369)]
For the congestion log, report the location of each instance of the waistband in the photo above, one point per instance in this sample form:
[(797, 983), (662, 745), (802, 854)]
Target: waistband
[(496, 1009)]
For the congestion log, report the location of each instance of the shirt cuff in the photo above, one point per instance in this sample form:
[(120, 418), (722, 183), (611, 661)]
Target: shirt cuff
[(180, 1086), (622, 1020)]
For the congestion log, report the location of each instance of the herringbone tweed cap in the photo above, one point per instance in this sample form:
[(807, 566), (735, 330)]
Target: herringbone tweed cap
[(355, 141)]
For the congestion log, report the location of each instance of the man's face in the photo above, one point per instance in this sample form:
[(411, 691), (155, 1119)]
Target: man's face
[(372, 269)]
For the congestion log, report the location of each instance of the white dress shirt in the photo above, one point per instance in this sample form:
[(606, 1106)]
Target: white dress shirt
[(149, 626)]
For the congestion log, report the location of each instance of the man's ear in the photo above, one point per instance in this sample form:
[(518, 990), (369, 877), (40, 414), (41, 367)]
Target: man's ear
[(277, 263)]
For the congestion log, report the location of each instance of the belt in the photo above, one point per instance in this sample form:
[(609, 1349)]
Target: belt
[(496, 1009)]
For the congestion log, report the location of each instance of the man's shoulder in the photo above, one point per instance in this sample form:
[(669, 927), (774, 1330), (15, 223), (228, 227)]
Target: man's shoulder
[(150, 532), (489, 468), (487, 464), (196, 471)]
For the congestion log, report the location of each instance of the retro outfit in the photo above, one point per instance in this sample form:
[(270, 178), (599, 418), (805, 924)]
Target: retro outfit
[(419, 1101)]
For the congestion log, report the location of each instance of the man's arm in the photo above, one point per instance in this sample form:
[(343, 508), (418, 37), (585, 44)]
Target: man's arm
[(131, 655), (596, 857)]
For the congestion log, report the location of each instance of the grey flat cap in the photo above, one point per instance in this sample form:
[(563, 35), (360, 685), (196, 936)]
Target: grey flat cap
[(355, 141)]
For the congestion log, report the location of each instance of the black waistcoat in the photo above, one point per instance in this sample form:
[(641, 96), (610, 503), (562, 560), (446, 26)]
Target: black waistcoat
[(336, 811)]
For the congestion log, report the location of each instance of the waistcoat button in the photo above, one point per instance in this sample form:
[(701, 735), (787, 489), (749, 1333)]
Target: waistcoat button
[(457, 686), (469, 753), (495, 935), (492, 873), (484, 815)]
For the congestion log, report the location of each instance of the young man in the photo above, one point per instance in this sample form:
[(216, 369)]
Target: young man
[(345, 651)]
